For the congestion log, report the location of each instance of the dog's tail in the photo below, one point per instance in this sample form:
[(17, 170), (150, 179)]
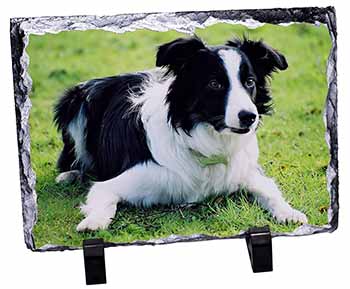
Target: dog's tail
[(68, 118), (68, 107)]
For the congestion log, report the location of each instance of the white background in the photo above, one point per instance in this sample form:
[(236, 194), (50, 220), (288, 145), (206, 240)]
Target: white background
[(318, 261)]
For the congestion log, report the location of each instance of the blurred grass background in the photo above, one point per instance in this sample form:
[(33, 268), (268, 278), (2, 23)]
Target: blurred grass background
[(292, 143)]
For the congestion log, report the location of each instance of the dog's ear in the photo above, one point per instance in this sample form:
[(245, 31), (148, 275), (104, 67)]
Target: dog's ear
[(264, 58), (175, 54)]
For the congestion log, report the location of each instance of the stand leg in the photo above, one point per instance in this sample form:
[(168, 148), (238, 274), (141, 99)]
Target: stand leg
[(94, 260), (259, 243)]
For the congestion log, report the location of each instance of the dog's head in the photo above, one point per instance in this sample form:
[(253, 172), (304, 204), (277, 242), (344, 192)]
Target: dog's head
[(225, 86)]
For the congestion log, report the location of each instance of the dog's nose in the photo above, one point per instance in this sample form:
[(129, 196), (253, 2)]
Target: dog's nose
[(246, 118)]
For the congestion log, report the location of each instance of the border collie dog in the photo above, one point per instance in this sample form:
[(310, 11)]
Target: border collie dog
[(143, 136)]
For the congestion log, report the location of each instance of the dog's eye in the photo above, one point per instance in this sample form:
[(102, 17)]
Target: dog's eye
[(214, 84), (250, 82)]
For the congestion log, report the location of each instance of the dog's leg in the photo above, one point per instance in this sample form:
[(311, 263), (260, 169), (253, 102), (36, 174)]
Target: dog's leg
[(142, 184), (67, 159), (67, 164), (270, 197)]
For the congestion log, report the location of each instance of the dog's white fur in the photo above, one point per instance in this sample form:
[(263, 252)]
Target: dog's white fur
[(179, 177), (238, 98)]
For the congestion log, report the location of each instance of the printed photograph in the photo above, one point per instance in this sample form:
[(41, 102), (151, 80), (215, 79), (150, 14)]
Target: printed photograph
[(144, 135)]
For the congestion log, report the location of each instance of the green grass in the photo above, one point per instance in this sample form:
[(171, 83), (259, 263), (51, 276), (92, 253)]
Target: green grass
[(292, 145)]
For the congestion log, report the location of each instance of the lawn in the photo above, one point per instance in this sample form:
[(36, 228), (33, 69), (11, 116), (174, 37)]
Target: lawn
[(292, 144)]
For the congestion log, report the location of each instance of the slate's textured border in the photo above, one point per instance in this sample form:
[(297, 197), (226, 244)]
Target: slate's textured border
[(186, 22)]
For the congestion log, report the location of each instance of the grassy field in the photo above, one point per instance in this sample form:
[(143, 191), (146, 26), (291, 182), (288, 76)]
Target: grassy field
[(292, 145)]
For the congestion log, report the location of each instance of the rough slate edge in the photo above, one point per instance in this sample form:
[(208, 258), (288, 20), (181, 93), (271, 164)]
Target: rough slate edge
[(183, 22)]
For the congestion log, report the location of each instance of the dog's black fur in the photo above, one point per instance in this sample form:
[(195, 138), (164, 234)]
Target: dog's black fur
[(115, 142)]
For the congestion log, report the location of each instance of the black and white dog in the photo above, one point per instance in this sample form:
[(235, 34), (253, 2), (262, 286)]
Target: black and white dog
[(143, 136)]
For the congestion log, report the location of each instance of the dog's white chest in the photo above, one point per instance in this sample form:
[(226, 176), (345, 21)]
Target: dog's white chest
[(223, 177)]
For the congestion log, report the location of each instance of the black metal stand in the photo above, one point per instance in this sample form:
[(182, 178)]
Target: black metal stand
[(259, 243), (94, 260)]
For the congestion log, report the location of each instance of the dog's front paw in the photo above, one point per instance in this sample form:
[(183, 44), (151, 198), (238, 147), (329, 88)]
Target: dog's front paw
[(93, 223), (288, 214)]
